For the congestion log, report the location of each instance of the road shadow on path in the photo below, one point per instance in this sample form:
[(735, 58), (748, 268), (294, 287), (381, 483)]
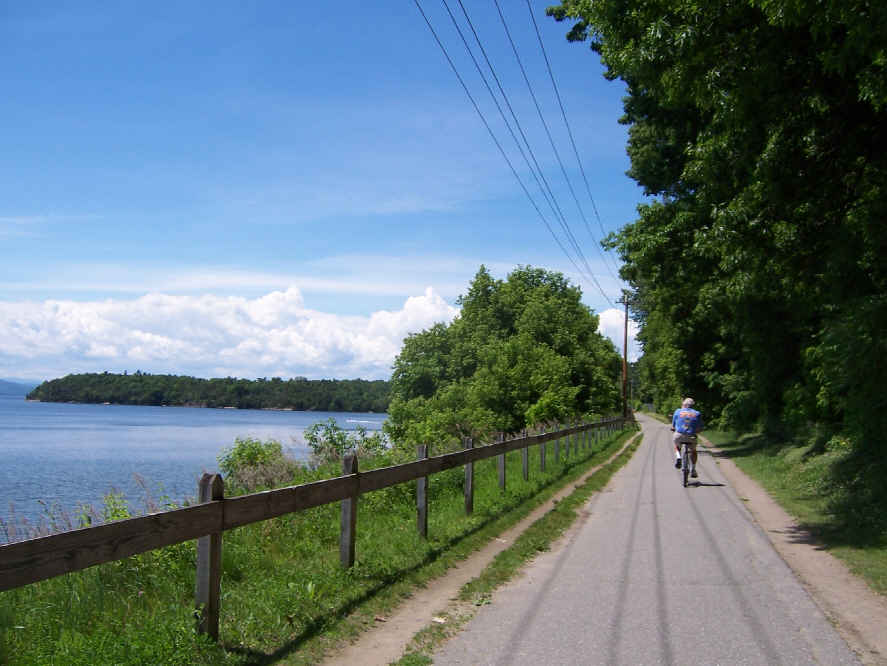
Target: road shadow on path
[(703, 484)]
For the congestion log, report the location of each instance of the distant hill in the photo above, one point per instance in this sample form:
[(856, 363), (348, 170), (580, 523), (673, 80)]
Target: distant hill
[(15, 388)]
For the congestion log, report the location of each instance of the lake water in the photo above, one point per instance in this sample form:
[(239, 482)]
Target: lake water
[(67, 455)]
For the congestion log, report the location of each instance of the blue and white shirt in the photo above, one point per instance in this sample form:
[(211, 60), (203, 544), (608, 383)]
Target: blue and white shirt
[(686, 421)]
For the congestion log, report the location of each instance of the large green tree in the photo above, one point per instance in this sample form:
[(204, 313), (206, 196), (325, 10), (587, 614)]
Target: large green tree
[(759, 127), (522, 351)]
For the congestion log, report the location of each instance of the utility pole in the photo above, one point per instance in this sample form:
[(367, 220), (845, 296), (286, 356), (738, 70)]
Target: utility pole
[(625, 357)]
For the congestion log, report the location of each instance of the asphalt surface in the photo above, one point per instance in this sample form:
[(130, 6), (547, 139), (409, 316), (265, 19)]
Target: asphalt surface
[(655, 573)]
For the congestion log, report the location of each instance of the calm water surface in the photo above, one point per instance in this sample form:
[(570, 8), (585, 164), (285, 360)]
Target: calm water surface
[(62, 455)]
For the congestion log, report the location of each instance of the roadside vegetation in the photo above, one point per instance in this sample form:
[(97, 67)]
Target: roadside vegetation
[(285, 597)]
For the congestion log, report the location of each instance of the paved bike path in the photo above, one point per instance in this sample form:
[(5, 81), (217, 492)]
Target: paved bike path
[(654, 574)]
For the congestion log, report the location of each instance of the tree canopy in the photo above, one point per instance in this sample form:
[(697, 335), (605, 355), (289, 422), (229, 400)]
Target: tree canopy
[(522, 351), (759, 127)]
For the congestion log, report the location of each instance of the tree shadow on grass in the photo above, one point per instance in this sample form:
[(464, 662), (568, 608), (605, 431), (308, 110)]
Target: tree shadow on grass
[(744, 446), (318, 625), (855, 517), (831, 534)]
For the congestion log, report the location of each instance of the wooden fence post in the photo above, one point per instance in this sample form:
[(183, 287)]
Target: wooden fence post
[(557, 447), (207, 585), (501, 464), (422, 495), (525, 460), (348, 515), (469, 479), (542, 454)]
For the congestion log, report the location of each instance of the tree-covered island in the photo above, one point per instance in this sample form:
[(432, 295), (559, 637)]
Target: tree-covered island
[(140, 388)]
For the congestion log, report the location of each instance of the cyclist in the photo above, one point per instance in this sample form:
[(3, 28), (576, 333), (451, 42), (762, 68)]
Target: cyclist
[(685, 423)]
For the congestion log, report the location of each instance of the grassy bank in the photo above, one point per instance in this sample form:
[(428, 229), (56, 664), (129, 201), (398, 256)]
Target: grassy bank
[(802, 479), (284, 596)]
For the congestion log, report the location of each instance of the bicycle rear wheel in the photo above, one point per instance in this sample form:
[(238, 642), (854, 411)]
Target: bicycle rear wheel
[(685, 462)]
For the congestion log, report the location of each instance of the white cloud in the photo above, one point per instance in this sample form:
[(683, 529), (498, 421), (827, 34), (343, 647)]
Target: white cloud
[(208, 335), (370, 281), (612, 325), (21, 220)]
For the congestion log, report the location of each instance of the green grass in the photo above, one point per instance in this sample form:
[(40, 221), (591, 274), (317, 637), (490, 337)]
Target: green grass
[(799, 477), (538, 537), (285, 599)]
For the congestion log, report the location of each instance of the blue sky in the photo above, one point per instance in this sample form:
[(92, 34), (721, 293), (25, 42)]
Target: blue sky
[(274, 189)]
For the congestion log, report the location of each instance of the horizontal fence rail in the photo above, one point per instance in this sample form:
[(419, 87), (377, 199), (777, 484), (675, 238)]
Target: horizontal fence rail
[(33, 560)]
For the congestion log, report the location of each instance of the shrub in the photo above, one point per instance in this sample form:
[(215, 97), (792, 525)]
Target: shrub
[(251, 464), (330, 443)]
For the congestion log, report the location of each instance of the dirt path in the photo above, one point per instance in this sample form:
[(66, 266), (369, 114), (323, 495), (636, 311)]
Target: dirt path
[(386, 641), (859, 614)]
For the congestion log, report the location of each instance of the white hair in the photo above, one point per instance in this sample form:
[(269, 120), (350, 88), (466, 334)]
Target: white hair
[(688, 402)]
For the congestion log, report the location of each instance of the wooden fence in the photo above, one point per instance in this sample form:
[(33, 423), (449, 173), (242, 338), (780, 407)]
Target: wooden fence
[(45, 557)]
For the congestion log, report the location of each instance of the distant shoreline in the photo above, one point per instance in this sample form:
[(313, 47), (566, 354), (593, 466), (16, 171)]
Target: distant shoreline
[(275, 394), (193, 406)]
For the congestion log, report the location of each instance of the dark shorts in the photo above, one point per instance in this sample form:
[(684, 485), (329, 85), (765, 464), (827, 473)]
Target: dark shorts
[(690, 439)]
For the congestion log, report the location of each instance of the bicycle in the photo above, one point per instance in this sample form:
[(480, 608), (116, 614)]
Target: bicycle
[(686, 442)]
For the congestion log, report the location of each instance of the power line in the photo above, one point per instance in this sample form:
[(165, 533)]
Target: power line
[(550, 138), (556, 209), (559, 212), (538, 169), (542, 182), (493, 137), (549, 198), (566, 122)]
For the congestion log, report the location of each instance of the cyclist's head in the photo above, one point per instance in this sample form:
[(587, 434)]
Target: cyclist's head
[(688, 402)]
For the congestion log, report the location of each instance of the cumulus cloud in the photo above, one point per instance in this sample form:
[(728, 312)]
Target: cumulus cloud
[(208, 336), (612, 325)]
